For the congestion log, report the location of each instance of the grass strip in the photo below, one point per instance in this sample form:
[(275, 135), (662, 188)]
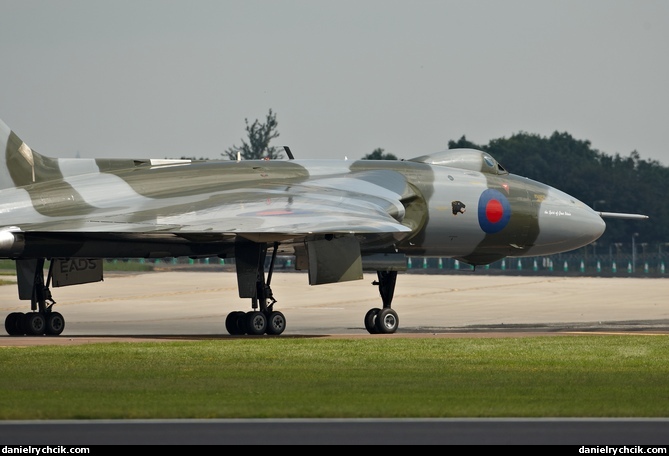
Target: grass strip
[(554, 376)]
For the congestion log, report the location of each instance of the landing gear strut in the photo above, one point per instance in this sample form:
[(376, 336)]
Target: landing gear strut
[(42, 320), (385, 320), (263, 319)]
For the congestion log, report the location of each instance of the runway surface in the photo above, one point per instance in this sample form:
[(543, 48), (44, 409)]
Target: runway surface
[(595, 433), (169, 304), (193, 305)]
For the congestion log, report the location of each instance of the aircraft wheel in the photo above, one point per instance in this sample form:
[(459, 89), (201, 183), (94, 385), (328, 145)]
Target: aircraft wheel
[(13, 324), (370, 321), (55, 324), (276, 323), (256, 323), (34, 324), (235, 323), (387, 321)]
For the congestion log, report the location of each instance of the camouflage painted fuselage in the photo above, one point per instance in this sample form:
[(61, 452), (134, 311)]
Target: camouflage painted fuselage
[(458, 203), (337, 217)]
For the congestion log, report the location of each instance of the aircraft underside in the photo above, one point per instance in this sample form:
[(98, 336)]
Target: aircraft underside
[(254, 282)]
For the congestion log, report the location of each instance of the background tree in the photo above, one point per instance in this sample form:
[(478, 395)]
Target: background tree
[(378, 154), (259, 137)]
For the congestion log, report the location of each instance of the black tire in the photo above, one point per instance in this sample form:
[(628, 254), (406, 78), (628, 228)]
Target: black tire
[(34, 324), (370, 321), (13, 324), (235, 323), (387, 321), (256, 323), (276, 323), (55, 324)]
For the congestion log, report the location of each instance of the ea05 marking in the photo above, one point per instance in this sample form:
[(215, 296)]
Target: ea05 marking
[(494, 211)]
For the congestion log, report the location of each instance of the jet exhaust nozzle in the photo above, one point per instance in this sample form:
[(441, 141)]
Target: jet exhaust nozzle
[(12, 242)]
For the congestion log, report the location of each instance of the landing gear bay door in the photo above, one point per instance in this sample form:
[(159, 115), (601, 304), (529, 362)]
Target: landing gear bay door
[(75, 271), (334, 260)]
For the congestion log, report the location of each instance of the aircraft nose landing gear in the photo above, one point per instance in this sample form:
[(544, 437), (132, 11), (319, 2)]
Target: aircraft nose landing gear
[(385, 320)]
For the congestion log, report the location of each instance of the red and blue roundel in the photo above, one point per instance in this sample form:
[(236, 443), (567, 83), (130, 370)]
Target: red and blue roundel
[(494, 211)]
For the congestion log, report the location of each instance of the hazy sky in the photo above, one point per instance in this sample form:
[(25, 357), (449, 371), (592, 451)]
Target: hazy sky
[(168, 78)]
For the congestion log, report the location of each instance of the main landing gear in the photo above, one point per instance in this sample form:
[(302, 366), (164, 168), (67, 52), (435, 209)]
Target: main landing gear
[(42, 320), (263, 319), (385, 320)]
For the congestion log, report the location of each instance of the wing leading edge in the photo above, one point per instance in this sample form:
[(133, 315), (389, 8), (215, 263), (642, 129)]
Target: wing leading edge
[(345, 204)]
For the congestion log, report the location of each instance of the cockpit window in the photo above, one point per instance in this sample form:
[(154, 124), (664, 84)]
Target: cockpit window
[(468, 159), (494, 166)]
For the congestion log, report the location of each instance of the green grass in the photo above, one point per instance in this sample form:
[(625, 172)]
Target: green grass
[(281, 377), (127, 266), (7, 267)]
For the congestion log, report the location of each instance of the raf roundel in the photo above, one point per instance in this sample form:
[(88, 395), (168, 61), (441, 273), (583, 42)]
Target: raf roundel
[(494, 211)]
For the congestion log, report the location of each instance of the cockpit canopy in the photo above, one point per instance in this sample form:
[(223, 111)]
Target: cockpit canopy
[(469, 159)]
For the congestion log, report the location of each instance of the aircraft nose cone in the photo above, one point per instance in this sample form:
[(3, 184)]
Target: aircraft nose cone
[(564, 227), (593, 225)]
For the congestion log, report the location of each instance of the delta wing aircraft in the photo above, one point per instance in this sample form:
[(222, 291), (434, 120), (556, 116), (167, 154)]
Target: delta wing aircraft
[(337, 218)]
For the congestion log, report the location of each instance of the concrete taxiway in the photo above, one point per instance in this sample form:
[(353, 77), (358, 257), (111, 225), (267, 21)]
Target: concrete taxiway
[(182, 304)]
